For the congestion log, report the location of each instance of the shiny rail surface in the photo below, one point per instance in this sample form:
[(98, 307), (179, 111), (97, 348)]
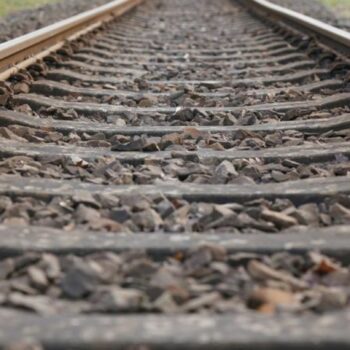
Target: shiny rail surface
[(48, 39), (333, 37), (177, 177)]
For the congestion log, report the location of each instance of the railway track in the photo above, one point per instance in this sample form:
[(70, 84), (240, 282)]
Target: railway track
[(316, 9), (177, 177)]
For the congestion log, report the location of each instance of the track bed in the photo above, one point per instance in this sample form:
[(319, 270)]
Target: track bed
[(177, 179)]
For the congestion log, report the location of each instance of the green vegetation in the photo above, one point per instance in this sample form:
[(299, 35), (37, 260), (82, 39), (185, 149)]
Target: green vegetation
[(8, 6), (336, 2), (341, 7)]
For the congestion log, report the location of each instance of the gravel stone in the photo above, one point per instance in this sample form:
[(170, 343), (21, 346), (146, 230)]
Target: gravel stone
[(204, 279)]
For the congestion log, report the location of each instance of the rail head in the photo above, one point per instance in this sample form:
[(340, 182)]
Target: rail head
[(330, 36), (19, 49)]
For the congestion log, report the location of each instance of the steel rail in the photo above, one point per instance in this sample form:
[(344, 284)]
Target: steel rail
[(26, 49), (328, 35)]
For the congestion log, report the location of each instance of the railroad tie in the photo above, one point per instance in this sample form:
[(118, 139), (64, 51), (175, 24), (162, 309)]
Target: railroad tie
[(176, 177)]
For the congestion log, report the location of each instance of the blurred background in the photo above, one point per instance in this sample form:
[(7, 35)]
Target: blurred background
[(342, 7), (8, 6), (18, 17)]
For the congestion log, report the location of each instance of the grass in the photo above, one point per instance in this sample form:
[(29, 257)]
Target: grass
[(336, 2), (342, 7), (8, 6)]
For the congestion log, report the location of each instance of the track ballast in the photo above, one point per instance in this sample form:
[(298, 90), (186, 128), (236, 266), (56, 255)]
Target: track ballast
[(178, 178)]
